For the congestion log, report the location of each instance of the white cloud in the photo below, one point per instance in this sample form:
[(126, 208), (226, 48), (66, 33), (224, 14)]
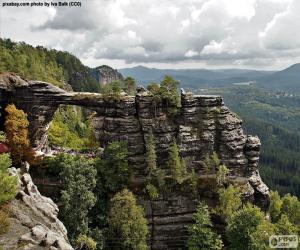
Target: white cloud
[(170, 32)]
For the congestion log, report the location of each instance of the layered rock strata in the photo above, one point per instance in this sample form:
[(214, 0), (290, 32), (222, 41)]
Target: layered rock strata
[(201, 126)]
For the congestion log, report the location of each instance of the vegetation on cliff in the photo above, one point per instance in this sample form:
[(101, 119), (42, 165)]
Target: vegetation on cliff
[(39, 63)]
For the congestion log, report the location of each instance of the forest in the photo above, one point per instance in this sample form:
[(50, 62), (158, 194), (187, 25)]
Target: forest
[(275, 117)]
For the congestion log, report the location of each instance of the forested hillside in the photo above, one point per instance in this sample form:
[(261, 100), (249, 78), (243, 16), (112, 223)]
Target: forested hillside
[(39, 63), (275, 118)]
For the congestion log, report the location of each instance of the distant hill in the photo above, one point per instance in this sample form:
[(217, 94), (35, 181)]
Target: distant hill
[(195, 78), (58, 67), (286, 80)]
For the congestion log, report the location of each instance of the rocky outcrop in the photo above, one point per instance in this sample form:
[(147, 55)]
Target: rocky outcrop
[(105, 74), (201, 126), (33, 219)]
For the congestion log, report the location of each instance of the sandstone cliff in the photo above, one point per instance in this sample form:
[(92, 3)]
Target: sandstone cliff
[(33, 219), (105, 74), (202, 125)]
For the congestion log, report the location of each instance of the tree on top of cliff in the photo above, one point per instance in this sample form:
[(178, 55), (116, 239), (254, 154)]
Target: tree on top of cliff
[(169, 90), (127, 223), (16, 127), (202, 236), (129, 85)]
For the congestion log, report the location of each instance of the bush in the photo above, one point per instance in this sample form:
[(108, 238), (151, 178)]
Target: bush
[(84, 242)]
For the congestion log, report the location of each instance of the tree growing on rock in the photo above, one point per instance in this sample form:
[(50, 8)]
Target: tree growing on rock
[(127, 224), (175, 163), (16, 127), (129, 85), (201, 233), (151, 156)]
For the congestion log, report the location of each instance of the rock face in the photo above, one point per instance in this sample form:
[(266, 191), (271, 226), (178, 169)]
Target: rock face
[(201, 126), (34, 222), (105, 74)]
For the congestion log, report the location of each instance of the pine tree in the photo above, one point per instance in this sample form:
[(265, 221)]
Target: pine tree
[(151, 154), (175, 163), (202, 236)]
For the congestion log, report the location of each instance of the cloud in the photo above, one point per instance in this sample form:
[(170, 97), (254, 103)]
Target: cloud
[(172, 32)]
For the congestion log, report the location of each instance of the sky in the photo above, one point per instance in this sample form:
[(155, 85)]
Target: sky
[(256, 34)]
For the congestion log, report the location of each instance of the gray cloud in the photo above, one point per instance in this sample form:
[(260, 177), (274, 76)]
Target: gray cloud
[(230, 32)]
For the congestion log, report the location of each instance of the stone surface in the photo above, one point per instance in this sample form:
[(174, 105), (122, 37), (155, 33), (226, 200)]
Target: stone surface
[(34, 222), (202, 125), (105, 74)]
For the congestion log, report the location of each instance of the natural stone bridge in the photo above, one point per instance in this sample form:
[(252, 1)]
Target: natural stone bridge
[(202, 126)]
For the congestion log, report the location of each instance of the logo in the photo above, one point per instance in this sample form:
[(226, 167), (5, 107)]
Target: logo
[(283, 241)]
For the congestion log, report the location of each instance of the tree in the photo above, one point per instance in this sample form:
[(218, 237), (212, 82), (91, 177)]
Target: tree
[(260, 237), (285, 227), (8, 191), (79, 179), (8, 184), (242, 225), (178, 170), (229, 202), (291, 207), (221, 177), (16, 127), (127, 224), (201, 234), (275, 206), (168, 90), (129, 85), (151, 154), (113, 169)]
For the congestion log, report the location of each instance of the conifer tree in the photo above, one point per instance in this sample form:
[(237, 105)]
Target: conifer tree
[(202, 236), (151, 154), (175, 163)]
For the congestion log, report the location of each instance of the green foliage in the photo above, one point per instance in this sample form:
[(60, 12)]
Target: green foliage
[(242, 225), (152, 191), (151, 154), (274, 117), (287, 206), (221, 176), (129, 85), (275, 206), (113, 169), (166, 92), (175, 163), (193, 182), (201, 234), (112, 91), (39, 63), (260, 237), (79, 179), (229, 202), (70, 129), (83, 242), (212, 163), (8, 191), (285, 227), (127, 224)]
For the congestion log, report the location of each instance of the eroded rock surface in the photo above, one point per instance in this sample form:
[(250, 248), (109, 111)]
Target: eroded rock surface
[(201, 126), (33, 218)]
